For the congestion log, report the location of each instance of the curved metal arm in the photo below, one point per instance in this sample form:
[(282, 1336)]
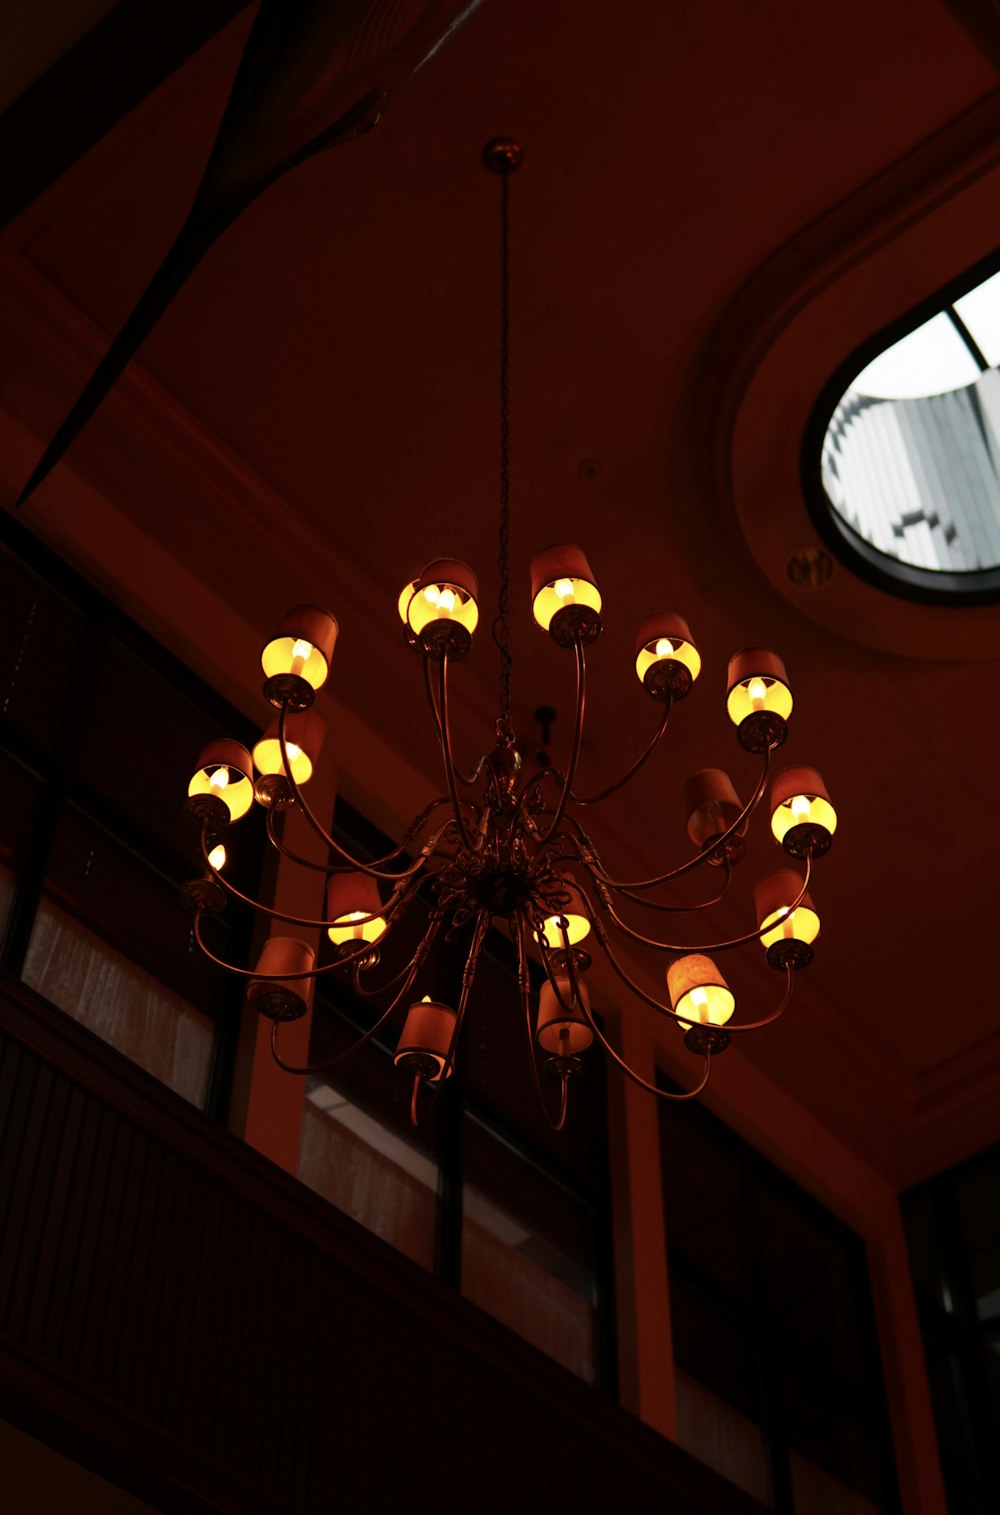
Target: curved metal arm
[(736, 941), (412, 831), (438, 727), (446, 753), (272, 978), (648, 904), (648, 750), (581, 703), (339, 1057), (701, 857)]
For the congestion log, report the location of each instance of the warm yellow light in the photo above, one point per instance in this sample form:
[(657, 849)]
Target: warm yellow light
[(227, 784), (295, 655), (800, 809), (301, 652), (217, 857), (664, 648), (661, 650), (800, 925), (577, 927), (758, 693), (710, 1005), (560, 593), (441, 602), (405, 596), (267, 757), (353, 927)]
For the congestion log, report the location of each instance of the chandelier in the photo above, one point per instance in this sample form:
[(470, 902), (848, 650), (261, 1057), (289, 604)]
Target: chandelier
[(506, 842)]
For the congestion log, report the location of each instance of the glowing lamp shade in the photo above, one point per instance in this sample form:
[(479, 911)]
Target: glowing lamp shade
[(698, 992), (224, 772), (302, 645), (666, 660), (712, 805), (561, 579), (576, 918), (277, 993), (354, 906), (446, 591), (405, 596), (424, 1047), (772, 897), (304, 733), (759, 700), (802, 817), (561, 1029)]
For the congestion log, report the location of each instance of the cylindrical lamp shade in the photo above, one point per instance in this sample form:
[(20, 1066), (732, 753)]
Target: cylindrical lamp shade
[(304, 733), (283, 998), (302, 645), (576, 918), (446, 592), (792, 932), (698, 992), (666, 659), (406, 595), (351, 898), (562, 1029), (424, 1047), (802, 817), (565, 600), (224, 772), (759, 700), (712, 805)]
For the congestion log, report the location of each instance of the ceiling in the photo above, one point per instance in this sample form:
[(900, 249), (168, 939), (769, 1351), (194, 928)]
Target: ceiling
[(717, 205)]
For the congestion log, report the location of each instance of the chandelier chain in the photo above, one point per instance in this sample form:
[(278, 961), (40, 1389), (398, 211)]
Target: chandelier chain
[(501, 626)]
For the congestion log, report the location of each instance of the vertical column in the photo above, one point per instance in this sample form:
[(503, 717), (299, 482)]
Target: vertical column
[(267, 1102)]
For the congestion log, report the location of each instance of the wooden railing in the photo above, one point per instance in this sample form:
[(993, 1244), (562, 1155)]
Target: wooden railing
[(185, 1317)]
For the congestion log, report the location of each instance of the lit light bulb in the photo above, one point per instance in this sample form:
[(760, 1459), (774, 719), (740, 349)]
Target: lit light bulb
[(757, 692), (294, 753), (801, 807), (301, 653), (217, 857), (664, 648), (699, 996), (218, 779), (426, 1000), (446, 600), (564, 588)]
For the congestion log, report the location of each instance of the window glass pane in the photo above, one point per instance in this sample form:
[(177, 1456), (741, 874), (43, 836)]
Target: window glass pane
[(815, 1290), (925, 1253), (718, 1402), (980, 310), (358, 1148), (39, 638), (528, 1250), (77, 971), (928, 361), (833, 1455), (978, 1197), (703, 1198)]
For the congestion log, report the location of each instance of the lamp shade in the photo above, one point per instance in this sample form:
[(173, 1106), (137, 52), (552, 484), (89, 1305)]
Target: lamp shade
[(406, 595), (283, 999), (802, 818), (666, 660), (560, 1031), (712, 805), (792, 932), (302, 645), (759, 700), (698, 992), (304, 733), (350, 897), (565, 600), (576, 918), (424, 1046), (224, 772), (445, 593)]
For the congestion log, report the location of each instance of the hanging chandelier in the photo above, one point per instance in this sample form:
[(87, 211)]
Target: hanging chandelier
[(506, 842)]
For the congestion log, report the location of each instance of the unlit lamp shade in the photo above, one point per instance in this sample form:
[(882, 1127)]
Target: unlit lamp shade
[(712, 805), (353, 905), (303, 645), (425, 1042), (224, 772), (562, 1029), (561, 577), (666, 659), (279, 995), (698, 992), (304, 733)]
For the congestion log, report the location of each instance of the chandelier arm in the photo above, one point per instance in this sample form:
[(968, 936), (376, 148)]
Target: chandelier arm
[(581, 705), (321, 832), (276, 978), (392, 907), (775, 1014), (636, 1078), (736, 941), (416, 963), (640, 899), (648, 750), (339, 1057), (432, 700), (428, 850), (468, 974), (717, 842), (446, 753), (524, 987)]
